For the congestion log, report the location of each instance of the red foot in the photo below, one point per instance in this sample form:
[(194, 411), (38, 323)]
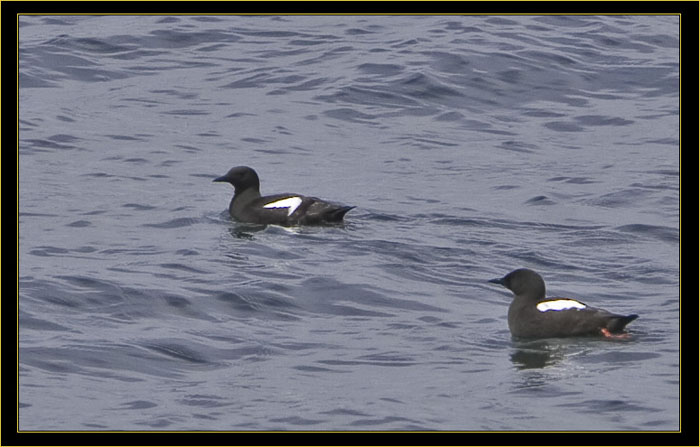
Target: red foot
[(608, 334)]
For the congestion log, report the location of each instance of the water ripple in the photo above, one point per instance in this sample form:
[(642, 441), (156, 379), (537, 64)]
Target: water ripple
[(471, 145)]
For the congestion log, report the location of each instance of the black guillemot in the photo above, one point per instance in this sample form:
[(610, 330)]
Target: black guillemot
[(531, 315), (286, 209)]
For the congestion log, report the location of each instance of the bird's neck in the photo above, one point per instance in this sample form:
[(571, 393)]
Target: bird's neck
[(245, 196)]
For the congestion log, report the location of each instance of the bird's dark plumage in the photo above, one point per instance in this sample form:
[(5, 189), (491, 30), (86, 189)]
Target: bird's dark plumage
[(531, 315), (287, 209)]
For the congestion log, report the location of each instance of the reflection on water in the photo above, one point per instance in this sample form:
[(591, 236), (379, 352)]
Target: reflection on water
[(536, 353), (245, 231)]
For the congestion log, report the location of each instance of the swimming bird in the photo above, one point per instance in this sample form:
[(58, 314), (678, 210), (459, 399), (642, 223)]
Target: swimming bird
[(531, 315), (285, 209)]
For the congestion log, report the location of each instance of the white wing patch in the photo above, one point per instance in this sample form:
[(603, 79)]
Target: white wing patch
[(544, 306), (292, 203)]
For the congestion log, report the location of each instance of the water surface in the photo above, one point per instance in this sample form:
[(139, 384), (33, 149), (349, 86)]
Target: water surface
[(470, 146)]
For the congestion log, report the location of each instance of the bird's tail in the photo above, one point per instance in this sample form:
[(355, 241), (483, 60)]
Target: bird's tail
[(336, 214), (618, 323)]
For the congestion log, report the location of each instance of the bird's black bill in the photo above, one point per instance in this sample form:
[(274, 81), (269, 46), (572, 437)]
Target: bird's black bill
[(220, 179), (497, 281)]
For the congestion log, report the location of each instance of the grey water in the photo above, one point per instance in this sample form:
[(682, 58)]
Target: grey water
[(470, 145)]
